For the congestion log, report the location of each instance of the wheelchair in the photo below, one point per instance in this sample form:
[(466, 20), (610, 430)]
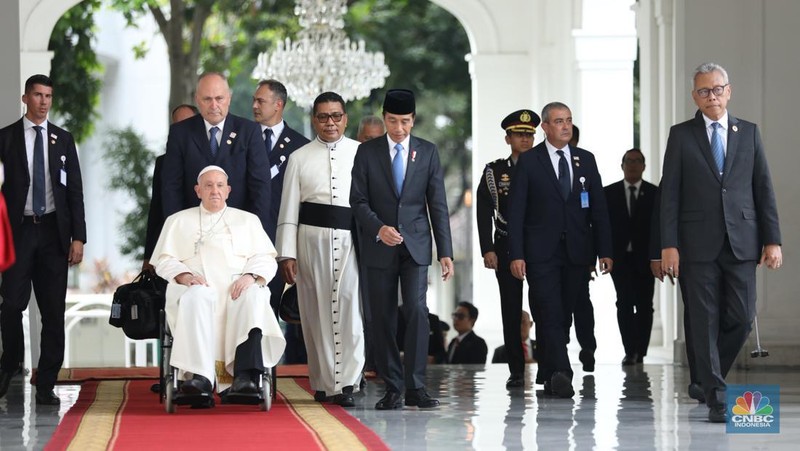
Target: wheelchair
[(170, 393)]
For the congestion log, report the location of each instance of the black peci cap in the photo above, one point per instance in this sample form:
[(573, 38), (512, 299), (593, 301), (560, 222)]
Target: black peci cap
[(399, 101)]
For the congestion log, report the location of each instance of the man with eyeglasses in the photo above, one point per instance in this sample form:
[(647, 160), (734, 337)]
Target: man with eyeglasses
[(630, 208), (316, 251), (558, 227), (719, 221), (492, 209), (467, 347)]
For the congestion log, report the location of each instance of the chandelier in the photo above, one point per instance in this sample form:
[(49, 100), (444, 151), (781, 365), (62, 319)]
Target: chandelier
[(322, 57)]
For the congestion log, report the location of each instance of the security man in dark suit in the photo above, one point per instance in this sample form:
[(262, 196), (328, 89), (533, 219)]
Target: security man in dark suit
[(630, 207), (719, 220), (44, 192), (155, 214), (467, 347), (398, 198), (492, 208), (215, 137), (558, 227), (280, 141)]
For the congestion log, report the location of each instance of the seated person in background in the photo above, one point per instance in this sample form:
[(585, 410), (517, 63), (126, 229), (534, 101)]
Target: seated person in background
[(467, 347), (436, 340), (217, 260), (528, 345)]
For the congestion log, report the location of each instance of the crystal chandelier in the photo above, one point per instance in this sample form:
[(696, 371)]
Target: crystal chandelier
[(322, 58)]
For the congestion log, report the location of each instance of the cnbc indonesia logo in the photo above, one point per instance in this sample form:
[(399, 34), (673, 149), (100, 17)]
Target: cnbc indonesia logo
[(752, 411)]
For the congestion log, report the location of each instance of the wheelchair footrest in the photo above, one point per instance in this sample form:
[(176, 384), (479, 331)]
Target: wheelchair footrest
[(199, 400), (242, 398)]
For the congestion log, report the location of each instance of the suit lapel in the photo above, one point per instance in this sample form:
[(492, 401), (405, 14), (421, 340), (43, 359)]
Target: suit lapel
[(281, 148), (385, 162), (544, 159), (200, 136), (577, 171), (230, 134), (701, 136), (411, 160), (55, 155), (21, 160), (733, 144)]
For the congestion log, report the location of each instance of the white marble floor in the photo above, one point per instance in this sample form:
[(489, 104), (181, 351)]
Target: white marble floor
[(643, 407)]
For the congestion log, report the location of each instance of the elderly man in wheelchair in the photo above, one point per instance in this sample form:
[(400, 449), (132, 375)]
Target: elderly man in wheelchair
[(220, 326)]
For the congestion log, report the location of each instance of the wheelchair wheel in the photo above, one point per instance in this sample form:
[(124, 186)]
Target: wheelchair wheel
[(266, 391), (169, 393)]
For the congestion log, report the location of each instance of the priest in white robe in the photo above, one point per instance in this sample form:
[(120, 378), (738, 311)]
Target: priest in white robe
[(217, 260), (316, 250)]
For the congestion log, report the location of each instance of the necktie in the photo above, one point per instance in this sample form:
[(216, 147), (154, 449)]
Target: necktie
[(268, 139), (38, 172), (716, 146), (397, 168), (563, 174), (213, 141), (632, 200), (456, 341)]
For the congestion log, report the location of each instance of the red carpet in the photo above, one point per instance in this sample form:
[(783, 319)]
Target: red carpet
[(77, 375), (123, 415)]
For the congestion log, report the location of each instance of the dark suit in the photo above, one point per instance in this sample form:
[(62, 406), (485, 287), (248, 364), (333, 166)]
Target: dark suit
[(155, 214), (471, 349), (500, 354), (559, 240), (420, 210), (719, 224), (42, 249), (655, 254), (241, 154), (492, 208), (633, 280), (285, 145)]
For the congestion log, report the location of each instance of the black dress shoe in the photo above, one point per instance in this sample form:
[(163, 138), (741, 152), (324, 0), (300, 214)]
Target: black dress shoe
[(47, 398), (244, 385), (630, 359), (196, 385), (390, 401), (515, 380), (345, 398), (587, 359), (561, 385), (5, 381), (717, 413), (696, 392), (319, 396), (420, 398)]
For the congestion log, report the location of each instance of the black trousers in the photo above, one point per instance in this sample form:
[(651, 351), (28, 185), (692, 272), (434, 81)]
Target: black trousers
[(41, 263), (554, 287), (634, 286), (584, 318), (510, 308), (722, 304), (413, 279), (248, 355)]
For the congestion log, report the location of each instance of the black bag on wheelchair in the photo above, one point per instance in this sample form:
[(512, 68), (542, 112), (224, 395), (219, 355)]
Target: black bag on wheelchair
[(136, 306)]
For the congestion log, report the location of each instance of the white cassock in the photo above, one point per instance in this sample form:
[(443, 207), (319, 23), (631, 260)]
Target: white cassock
[(206, 324), (327, 271)]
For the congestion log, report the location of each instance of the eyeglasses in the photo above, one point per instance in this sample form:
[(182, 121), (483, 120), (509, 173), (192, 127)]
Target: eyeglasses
[(323, 117), (717, 90), (459, 315), (634, 161)]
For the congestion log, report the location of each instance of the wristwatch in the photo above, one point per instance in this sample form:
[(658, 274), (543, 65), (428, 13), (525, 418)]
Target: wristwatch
[(255, 277)]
